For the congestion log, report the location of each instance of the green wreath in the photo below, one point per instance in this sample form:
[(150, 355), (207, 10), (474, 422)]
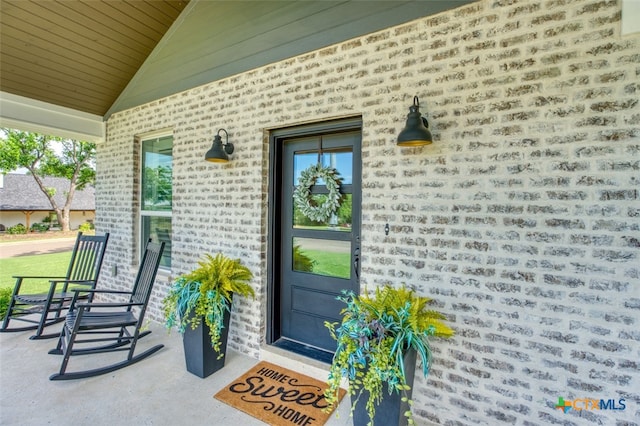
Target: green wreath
[(302, 194)]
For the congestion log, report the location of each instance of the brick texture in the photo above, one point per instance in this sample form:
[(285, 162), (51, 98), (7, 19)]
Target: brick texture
[(521, 220)]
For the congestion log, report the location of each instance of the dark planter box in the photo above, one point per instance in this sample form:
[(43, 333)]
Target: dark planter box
[(200, 357), (391, 410)]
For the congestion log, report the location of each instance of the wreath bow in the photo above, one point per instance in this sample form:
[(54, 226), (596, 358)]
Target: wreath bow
[(302, 193)]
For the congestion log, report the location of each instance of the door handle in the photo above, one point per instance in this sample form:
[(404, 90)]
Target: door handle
[(356, 262)]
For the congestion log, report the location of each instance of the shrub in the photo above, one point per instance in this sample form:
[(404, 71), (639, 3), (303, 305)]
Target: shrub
[(87, 226), (5, 297), (17, 229), (39, 227)]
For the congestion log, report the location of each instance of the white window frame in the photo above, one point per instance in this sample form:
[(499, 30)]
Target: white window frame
[(149, 213)]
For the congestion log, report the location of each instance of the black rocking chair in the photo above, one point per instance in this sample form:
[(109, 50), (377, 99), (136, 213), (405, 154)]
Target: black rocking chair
[(92, 328), (83, 271)]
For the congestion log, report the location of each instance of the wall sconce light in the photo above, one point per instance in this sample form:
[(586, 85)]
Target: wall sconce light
[(416, 131), (219, 153)]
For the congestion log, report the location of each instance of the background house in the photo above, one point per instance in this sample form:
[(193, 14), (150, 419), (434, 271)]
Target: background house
[(521, 220), (22, 201)]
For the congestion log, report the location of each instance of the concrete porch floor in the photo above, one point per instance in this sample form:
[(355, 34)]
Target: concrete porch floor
[(155, 391)]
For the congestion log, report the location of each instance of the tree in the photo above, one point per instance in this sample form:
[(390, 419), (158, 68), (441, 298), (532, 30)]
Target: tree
[(37, 153)]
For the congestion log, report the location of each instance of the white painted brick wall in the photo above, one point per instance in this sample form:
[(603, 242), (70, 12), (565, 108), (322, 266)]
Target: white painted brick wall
[(521, 220)]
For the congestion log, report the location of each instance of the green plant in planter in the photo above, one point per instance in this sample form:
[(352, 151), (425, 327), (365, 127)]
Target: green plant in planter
[(206, 292), (375, 333)]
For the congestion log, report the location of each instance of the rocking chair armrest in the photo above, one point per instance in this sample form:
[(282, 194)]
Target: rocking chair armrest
[(53, 285), (64, 280), (38, 277), (94, 291), (20, 278), (108, 305)]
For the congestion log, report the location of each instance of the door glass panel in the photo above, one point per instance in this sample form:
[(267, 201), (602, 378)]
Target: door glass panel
[(340, 221), (322, 257), (340, 159)]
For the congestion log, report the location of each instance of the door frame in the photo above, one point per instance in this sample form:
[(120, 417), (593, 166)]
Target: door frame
[(276, 138)]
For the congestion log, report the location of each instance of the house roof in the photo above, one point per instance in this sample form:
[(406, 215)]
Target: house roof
[(78, 61), (21, 192)]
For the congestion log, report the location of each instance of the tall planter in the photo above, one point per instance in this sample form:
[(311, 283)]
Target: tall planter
[(390, 411), (201, 359), (207, 290), (385, 331)]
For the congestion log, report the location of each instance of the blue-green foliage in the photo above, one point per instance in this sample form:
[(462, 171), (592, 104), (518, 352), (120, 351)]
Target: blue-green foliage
[(373, 337), (185, 296), (206, 293)]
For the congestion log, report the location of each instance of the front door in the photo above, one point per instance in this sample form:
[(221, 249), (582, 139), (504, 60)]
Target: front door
[(314, 261)]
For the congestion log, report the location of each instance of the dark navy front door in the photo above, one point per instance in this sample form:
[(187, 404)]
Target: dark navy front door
[(317, 260)]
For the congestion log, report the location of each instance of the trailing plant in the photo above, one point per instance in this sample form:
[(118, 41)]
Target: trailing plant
[(375, 333), (205, 293)]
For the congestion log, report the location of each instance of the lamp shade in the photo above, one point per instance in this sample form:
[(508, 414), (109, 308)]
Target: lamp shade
[(415, 132), (216, 154), (219, 153)]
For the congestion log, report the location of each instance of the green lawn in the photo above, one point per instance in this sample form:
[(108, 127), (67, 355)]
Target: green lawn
[(54, 265), (331, 264)]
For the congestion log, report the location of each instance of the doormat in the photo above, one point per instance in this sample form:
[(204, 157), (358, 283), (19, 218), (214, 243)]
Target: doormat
[(278, 396)]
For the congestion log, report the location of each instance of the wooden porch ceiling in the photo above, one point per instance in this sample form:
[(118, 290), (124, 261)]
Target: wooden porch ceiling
[(78, 54)]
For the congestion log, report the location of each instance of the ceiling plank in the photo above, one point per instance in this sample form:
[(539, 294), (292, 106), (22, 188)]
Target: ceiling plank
[(25, 73), (84, 63), (79, 54), (154, 14), (41, 58), (86, 103), (123, 17), (97, 28), (86, 42)]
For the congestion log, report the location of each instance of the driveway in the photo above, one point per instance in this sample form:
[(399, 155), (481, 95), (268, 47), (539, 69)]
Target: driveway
[(29, 248)]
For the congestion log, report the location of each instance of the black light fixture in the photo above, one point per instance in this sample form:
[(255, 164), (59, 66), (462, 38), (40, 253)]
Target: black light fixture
[(219, 153), (416, 132)]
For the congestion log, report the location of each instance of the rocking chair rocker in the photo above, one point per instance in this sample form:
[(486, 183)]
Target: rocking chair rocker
[(92, 328), (83, 271)]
